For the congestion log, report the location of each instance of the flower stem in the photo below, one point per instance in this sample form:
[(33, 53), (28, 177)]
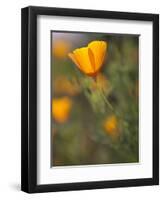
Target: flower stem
[(105, 99), (103, 95)]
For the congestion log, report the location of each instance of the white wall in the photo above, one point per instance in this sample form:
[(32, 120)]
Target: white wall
[(10, 118)]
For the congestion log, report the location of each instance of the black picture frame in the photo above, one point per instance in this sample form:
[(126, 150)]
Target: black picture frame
[(29, 99)]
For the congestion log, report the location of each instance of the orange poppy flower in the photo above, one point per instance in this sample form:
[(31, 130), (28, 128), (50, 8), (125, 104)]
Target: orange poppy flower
[(89, 59), (62, 85), (61, 109), (111, 125), (60, 48)]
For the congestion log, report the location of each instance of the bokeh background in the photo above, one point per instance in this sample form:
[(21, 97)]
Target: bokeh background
[(84, 130)]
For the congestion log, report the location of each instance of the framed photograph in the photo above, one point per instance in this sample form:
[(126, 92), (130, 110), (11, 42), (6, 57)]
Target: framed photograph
[(90, 99)]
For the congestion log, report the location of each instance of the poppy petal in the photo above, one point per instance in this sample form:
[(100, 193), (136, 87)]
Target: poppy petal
[(72, 56), (99, 49), (83, 59)]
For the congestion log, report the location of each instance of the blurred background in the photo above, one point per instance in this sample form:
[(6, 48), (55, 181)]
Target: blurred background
[(84, 129)]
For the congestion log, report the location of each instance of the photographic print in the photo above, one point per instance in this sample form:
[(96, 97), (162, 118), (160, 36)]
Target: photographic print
[(94, 98)]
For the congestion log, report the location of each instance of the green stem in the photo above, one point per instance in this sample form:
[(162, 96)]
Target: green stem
[(103, 95), (105, 99)]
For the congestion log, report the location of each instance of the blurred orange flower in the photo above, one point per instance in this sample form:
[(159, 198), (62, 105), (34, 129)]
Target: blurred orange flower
[(62, 85), (111, 125), (101, 82), (61, 109), (60, 48), (90, 59)]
